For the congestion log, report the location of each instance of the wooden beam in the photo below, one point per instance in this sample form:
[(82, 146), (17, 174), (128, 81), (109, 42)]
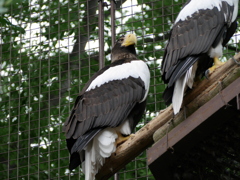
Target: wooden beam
[(143, 138), (189, 135), (194, 120)]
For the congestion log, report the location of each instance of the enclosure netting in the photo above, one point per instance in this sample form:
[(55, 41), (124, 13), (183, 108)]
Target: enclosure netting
[(48, 51)]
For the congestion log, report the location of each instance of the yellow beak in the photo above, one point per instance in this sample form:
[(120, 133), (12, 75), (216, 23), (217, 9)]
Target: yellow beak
[(130, 39)]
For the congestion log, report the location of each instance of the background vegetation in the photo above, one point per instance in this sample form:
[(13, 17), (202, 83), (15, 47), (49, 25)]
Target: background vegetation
[(48, 51)]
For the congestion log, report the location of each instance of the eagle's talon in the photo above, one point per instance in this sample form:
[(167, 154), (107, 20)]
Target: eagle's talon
[(217, 63), (206, 74), (121, 139)]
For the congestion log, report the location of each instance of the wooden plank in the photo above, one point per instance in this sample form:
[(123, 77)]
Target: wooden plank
[(163, 166), (193, 121)]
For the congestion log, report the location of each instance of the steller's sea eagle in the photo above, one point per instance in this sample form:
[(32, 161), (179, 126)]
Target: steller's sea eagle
[(196, 40), (108, 107)]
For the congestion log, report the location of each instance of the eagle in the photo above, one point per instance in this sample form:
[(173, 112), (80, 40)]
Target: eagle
[(196, 41), (108, 108)]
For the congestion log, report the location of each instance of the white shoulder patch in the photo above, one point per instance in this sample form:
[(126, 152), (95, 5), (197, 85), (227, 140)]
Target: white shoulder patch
[(135, 69), (196, 5)]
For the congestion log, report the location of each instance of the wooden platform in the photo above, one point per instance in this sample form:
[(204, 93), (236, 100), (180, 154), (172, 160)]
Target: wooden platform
[(222, 108)]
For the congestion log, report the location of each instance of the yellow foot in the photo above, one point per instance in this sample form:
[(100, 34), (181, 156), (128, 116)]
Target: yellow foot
[(217, 63), (121, 139)]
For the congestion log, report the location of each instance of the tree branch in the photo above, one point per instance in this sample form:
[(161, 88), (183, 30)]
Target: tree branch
[(78, 48)]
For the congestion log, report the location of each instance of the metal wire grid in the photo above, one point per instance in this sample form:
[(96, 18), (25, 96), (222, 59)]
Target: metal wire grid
[(48, 52)]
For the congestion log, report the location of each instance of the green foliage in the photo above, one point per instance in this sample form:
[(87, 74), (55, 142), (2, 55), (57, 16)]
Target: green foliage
[(45, 62)]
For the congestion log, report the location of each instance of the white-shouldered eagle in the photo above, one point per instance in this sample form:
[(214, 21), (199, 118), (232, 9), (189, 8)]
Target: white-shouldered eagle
[(109, 106), (196, 40)]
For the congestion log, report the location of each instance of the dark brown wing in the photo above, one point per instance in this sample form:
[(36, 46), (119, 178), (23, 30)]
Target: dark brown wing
[(104, 106), (194, 36)]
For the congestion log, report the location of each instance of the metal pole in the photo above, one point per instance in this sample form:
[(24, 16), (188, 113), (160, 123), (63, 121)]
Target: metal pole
[(113, 28), (101, 33)]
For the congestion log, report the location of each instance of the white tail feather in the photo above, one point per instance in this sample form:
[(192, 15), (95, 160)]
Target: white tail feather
[(180, 86), (178, 92), (191, 75), (101, 147)]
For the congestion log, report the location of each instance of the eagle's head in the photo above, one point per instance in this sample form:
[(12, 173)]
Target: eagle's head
[(125, 48)]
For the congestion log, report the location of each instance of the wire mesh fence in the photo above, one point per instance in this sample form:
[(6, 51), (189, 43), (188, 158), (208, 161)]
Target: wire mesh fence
[(48, 51)]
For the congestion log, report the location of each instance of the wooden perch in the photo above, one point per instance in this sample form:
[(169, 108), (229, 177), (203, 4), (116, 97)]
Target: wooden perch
[(143, 138), (204, 91)]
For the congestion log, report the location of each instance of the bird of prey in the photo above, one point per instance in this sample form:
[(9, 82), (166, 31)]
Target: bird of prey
[(108, 108), (196, 40)]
